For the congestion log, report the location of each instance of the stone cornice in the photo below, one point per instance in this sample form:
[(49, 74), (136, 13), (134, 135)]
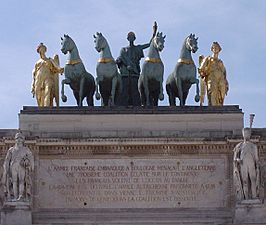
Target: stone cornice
[(71, 110)]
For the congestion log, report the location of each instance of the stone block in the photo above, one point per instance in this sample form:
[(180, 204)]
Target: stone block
[(181, 182), (250, 212), (16, 213)]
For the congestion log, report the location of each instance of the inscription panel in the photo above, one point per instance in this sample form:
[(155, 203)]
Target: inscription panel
[(132, 183)]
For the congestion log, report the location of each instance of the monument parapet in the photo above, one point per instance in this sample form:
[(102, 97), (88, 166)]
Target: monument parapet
[(97, 165)]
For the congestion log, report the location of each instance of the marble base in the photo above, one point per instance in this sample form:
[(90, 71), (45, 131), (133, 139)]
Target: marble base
[(133, 217), (16, 213), (250, 212)]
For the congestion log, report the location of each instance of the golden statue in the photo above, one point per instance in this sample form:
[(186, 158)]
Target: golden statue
[(213, 77), (45, 78)]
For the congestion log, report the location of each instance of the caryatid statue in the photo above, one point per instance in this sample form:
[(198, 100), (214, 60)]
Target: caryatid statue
[(246, 168), (45, 85), (18, 167), (213, 77), (129, 65)]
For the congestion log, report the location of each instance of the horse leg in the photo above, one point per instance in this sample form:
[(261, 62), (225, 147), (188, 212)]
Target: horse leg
[(118, 88), (89, 98), (76, 95), (155, 102), (114, 84), (90, 101), (141, 91), (185, 94), (104, 97), (179, 90), (154, 99), (146, 89), (171, 97), (161, 96), (81, 90), (196, 81), (98, 96), (65, 81)]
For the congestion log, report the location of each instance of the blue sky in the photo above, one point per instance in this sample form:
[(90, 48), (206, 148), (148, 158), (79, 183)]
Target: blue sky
[(239, 27)]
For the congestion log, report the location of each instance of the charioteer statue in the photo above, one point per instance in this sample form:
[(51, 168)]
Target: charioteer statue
[(129, 65)]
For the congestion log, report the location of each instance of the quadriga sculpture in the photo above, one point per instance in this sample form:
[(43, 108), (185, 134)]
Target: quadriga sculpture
[(184, 75), (81, 82), (150, 83), (108, 79)]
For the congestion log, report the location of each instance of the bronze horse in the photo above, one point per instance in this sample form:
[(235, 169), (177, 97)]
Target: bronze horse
[(184, 75)]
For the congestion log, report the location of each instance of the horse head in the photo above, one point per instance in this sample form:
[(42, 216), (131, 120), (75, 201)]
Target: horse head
[(192, 43), (158, 41), (100, 42), (67, 44)]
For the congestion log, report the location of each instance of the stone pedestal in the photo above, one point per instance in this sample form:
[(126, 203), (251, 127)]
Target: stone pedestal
[(122, 165), (16, 213), (250, 212)]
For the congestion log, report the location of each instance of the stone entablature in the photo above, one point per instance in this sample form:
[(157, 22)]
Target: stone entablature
[(186, 122)]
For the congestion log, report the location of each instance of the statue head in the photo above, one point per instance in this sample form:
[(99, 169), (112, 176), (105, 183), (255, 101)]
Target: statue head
[(131, 36), (215, 48), (246, 133), (19, 138), (41, 48)]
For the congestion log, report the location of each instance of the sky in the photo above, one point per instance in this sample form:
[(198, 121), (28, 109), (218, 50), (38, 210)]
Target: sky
[(239, 27)]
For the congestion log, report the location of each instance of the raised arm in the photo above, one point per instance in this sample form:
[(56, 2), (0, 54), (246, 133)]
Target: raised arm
[(154, 28)]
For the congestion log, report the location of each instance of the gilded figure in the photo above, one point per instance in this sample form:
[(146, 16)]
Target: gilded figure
[(45, 85), (213, 77)]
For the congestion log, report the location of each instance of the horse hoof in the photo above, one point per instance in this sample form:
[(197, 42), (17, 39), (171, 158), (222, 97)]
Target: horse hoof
[(197, 98), (161, 97), (64, 98), (98, 96)]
